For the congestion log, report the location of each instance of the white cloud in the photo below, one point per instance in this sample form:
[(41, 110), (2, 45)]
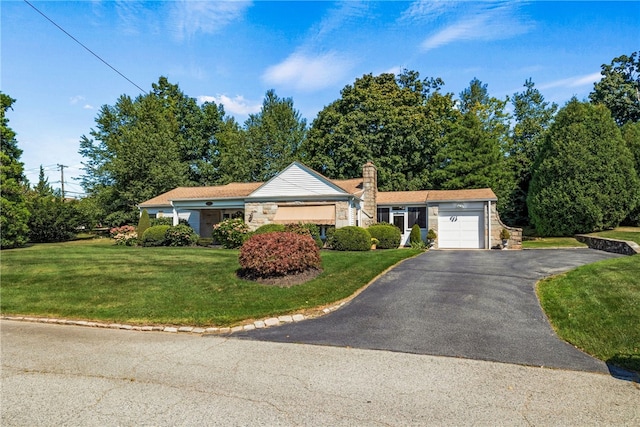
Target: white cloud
[(308, 73), (88, 107), (488, 21), (575, 81), (342, 15), (76, 99), (190, 17), (236, 105), (427, 9)]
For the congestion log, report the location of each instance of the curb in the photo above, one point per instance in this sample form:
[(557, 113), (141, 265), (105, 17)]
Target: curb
[(258, 324)]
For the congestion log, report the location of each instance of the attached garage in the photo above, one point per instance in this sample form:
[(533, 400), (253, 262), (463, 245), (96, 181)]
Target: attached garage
[(461, 228)]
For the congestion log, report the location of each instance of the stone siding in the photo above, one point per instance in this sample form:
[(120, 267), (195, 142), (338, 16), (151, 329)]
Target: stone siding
[(515, 240), (609, 245), (370, 194), (257, 214)]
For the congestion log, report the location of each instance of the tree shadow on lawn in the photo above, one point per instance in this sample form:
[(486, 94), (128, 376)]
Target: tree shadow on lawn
[(625, 367)]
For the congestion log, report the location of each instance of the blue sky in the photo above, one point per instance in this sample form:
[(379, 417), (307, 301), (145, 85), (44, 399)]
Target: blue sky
[(232, 52)]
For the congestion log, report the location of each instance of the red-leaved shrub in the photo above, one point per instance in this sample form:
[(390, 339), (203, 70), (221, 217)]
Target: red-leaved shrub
[(279, 254)]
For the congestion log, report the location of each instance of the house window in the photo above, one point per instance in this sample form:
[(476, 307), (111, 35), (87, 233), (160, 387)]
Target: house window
[(383, 215), (417, 215)]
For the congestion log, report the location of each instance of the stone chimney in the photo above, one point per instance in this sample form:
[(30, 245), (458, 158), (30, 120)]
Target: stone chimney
[(370, 194)]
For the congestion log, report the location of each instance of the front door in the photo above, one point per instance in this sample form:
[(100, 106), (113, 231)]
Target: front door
[(399, 221), (208, 217)]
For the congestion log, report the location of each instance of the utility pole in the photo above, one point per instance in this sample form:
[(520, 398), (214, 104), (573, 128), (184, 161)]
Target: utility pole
[(62, 178)]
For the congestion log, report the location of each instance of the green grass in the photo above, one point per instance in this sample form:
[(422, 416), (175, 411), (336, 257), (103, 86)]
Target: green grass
[(631, 234), (552, 242), (597, 308), (96, 280)]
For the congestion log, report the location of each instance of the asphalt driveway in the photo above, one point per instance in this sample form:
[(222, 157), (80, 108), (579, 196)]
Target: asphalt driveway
[(471, 304)]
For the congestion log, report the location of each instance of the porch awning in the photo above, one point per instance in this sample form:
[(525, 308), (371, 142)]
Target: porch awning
[(321, 215)]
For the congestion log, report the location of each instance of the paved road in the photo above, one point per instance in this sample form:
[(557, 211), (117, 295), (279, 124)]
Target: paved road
[(54, 375), (473, 304)]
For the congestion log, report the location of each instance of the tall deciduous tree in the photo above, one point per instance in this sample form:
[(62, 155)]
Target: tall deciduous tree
[(274, 136), (396, 122), (14, 214), (145, 146), (533, 115), (584, 179), (619, 88)]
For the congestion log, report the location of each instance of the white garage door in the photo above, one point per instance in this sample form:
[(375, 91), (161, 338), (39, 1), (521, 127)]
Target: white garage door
[(461, 229)]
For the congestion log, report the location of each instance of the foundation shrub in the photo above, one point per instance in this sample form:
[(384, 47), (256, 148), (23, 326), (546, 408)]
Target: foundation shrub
[(415, 236), (230, 233), (278, 254), (388, 235), (181, 235), (144, 222), (269, 228), (155, 235), (351, 238), (308, 229)]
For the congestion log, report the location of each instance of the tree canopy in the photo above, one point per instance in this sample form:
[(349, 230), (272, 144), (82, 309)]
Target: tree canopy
[(619, 88), (584, 179), (397, 123), (145, 146)]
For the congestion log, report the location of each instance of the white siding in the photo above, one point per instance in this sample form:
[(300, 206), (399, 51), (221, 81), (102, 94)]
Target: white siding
[(296, 181)]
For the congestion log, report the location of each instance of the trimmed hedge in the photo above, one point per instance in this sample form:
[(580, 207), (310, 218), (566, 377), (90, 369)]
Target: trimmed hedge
[(278, 254), (388, 235), (351, 238), (155, 235), (269, 228)]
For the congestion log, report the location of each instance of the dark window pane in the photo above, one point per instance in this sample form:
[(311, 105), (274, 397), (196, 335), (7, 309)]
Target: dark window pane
[(383, 214)]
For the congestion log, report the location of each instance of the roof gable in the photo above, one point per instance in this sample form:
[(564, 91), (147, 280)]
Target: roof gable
[(297, 180)]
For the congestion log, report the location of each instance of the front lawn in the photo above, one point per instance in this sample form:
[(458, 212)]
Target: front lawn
[(96, 280), (597, 308)]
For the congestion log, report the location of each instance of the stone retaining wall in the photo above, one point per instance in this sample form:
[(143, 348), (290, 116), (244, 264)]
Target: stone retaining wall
[(609, 245)]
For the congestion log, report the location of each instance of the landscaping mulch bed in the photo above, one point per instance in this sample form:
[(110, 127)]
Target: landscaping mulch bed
[(285, 281)]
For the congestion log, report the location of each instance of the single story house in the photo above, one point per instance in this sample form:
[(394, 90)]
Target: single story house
[(461, 218)]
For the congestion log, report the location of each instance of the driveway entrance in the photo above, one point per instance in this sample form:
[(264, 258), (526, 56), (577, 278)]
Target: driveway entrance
[(471, 304)]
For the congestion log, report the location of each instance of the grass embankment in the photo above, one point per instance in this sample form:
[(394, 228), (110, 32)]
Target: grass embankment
[(552, 242), (96, 280), (631, 234), (597, 308)]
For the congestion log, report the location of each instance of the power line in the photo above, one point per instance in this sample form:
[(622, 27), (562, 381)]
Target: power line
[(85, 47)]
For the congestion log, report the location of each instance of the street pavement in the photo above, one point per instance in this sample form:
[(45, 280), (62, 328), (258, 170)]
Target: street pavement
[(55, 375), (473, 304)]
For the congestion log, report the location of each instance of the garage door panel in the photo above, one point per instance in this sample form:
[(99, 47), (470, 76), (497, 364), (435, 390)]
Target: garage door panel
[(458, 229)]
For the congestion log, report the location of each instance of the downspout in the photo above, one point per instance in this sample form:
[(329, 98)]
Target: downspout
[(489, 218), (175, 218)]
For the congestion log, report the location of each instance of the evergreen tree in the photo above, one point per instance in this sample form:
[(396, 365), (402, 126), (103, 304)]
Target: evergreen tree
[(533, 115), (14, 214), (631, 136), (52, 219), (473, 155), (584, 179), (274, 136)]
